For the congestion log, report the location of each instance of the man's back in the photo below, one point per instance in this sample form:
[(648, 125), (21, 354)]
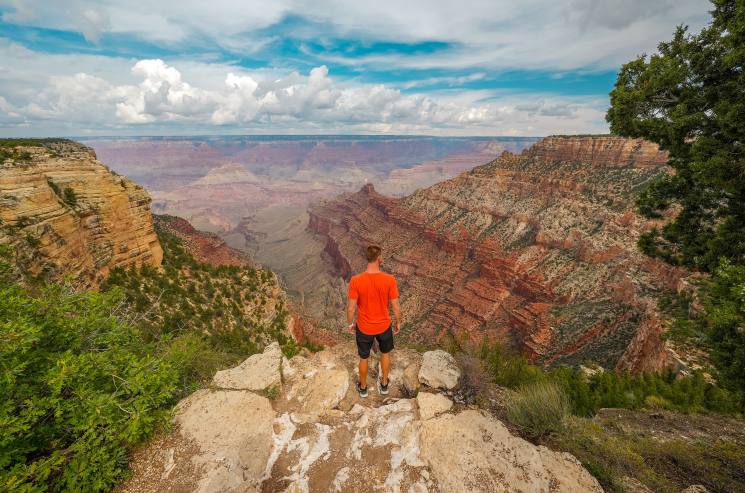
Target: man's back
[(373, 291)]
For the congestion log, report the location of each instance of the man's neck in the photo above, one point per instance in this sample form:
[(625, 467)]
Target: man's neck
[(373, 268)]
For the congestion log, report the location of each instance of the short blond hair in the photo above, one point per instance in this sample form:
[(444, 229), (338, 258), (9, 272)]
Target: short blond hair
[(373, 252)]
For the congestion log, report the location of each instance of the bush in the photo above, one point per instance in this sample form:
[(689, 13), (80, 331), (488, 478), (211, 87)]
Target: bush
[(86, 376), (69, 197), (78, 388), (610, 388), (538, 408)]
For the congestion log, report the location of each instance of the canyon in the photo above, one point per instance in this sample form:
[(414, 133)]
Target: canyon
[(536, 250), (254, 191), (65, 214)]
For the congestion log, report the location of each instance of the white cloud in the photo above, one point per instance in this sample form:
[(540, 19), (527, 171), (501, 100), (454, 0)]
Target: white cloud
[(161, 97)]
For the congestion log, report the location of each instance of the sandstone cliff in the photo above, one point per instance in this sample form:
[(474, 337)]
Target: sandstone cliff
[(66, 214), (272, 424), (537, 250)]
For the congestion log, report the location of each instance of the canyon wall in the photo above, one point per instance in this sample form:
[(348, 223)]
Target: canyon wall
[(537, 250), (66, 215)]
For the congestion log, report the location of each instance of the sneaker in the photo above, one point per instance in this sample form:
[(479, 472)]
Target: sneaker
[(383, 389), (363, 392)]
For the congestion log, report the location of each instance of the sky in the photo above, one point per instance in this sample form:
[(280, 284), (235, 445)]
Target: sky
[(428, 67)]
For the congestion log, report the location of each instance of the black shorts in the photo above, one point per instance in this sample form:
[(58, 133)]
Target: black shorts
[(365, 342)]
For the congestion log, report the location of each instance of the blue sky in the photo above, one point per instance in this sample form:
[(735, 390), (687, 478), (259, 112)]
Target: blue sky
[(470, 67)]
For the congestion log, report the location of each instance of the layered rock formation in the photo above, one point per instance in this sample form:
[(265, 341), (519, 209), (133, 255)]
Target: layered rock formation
[(537, 250), (66, 214), (298, 425)]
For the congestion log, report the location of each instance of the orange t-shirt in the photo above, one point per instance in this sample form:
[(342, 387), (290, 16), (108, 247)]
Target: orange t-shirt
[(373, 291)]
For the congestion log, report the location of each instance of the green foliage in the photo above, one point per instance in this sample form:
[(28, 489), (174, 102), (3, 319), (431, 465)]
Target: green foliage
[(224, 303), (724, 322), (69, 197), (78, 387), (538, 408), (690, 99), (587, 394), (661, 465)]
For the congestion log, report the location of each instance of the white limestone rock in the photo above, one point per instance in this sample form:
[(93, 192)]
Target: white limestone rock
[(439, 370), (258, 372), (474, 452), (430, 405), (233, 431)]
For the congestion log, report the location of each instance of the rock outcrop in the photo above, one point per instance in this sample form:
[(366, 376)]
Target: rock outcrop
[(537, 250), (316, 434), (439, 370), (204, 246), (66, 214)]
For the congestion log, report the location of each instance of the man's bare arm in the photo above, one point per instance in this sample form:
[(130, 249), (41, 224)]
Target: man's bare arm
[(396, 315), (351, 305)]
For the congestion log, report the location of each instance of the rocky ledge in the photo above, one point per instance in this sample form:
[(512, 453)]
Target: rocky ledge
[(273, 424)]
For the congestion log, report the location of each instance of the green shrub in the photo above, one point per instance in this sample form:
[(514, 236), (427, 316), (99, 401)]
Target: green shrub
[(69, 197), (78, 387), (538, 408), (86, 376), (610, 388)]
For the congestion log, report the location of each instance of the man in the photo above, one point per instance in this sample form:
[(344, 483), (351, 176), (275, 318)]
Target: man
[(370, 293)]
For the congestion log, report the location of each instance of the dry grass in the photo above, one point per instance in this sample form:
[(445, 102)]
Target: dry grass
[(538, 408)]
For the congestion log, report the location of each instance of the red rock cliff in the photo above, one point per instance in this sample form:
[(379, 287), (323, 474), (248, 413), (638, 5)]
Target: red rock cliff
[(537, 249)]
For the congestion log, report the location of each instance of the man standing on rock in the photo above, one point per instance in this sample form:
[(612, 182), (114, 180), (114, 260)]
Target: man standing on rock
[(371, 292)]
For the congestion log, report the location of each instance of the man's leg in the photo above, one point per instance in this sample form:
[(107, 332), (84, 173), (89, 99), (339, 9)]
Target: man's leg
[(385, 366), (363, 372), (364, 343), (385, 342)]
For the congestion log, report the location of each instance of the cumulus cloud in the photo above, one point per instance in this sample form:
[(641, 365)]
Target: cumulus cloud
[(161, 97)]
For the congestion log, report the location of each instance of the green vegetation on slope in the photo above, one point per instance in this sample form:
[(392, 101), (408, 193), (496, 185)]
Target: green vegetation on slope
[(690, 99), (9, 151), (84, 376), (232, 306), (589, 393), (558, 407)]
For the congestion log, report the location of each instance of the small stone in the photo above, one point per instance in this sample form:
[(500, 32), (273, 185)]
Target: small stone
[(696, 488), (632, 485), (258, 372), (439, 370), (430, 405)]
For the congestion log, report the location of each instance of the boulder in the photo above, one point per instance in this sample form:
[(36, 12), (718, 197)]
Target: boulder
[(322, 390), (470, 452), (430, 405), (258, 372), (439, 370), (233, 431)]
